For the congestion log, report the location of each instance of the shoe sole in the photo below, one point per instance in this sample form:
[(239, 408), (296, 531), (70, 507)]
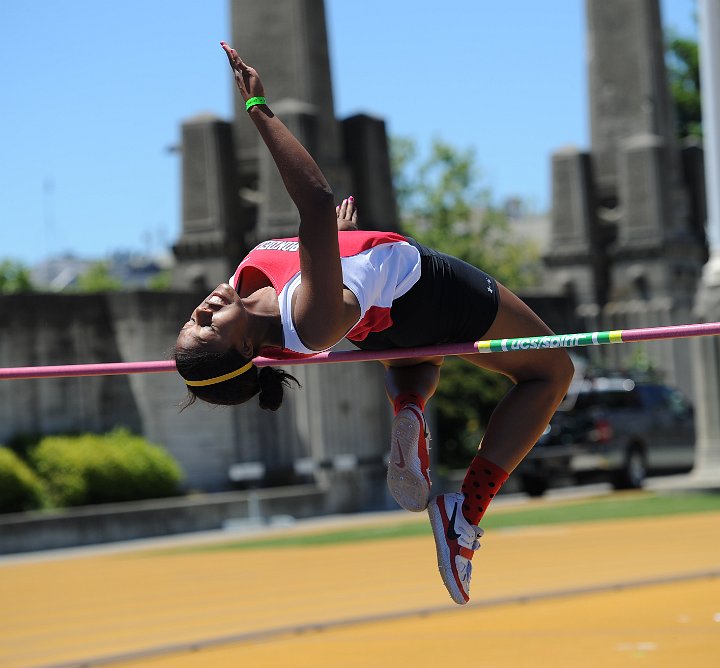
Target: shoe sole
[(405, 478), (443, 554)]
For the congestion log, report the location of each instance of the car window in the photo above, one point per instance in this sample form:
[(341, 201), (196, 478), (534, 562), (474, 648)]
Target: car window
[(654, 396), (612, 399), (650, 397), (679, 405)]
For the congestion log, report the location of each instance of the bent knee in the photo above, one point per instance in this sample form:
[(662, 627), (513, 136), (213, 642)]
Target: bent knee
[(556, 368), (434, 360), (559, 373), (564, 370)]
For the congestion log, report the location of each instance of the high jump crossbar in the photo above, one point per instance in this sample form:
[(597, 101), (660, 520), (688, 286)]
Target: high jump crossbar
[(489, 346)]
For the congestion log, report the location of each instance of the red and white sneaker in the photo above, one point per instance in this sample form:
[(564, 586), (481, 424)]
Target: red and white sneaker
[(456, 541), (408, 475)]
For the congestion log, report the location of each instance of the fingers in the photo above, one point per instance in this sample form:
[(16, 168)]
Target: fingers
[(228, 51), (235, 61), (240, 62), (346, 209), (352, 210), (347, 215)]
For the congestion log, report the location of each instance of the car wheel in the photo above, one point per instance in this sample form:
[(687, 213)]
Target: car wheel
[(634, 471), (534, 485)]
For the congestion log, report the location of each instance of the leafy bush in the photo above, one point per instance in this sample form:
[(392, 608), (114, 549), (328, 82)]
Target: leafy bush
[(22, 443), (20, 488), (118, 466), (97, 278), (161, 282), (14, 278)]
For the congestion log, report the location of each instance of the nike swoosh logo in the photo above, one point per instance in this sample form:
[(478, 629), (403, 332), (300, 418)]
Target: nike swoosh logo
[(401, 463), (451, 533)]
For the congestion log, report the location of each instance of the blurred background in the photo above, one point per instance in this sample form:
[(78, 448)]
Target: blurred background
[(564, 147), (559, 148)]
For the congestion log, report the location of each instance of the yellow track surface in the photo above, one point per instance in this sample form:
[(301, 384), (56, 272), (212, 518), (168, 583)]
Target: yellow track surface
[(380, 603)]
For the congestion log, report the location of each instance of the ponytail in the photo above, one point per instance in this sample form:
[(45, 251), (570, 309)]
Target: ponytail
[(272, 386)]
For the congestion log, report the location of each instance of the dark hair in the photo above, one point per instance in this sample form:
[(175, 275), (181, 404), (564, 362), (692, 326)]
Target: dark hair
[(199, 364)]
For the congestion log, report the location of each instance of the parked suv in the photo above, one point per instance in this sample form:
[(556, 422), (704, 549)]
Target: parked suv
[(615, 429)]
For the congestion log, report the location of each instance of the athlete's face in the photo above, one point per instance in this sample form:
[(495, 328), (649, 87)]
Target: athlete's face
[(217, 323)]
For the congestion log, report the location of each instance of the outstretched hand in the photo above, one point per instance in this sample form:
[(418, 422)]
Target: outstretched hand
[(246, 78)]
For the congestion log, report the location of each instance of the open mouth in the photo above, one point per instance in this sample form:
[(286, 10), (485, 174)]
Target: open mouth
[(221, 296)]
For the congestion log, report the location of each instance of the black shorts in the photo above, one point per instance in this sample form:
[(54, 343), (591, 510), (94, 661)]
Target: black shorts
[(452, 302)]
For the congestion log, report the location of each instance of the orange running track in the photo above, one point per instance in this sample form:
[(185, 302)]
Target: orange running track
[(562, 595)]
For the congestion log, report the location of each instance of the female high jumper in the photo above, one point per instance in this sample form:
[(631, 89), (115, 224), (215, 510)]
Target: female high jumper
[(379, 290)]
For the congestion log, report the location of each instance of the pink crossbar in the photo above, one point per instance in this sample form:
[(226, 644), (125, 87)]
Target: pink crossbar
[(123, 368)]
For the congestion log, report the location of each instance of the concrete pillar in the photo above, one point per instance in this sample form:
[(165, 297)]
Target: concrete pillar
[(629, 94), (706, 351), (287, 41), (211, 242), (368, 156), (574, 257)]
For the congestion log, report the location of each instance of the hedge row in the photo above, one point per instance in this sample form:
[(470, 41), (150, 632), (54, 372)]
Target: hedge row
[(20, 487), (79, 470)]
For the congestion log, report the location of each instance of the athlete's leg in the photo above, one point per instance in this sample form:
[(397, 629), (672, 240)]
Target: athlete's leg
[(541, 379), (417, 377), (409, 384)]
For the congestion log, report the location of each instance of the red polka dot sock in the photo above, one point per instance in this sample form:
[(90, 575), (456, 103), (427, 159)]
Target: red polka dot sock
[(408, 398), (482, 482)]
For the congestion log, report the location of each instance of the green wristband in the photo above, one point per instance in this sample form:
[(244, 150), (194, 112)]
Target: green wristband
[(252, 101)]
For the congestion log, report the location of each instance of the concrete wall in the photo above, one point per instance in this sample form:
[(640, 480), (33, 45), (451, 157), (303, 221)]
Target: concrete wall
[(71, 329), (28, 532), (341, 410)]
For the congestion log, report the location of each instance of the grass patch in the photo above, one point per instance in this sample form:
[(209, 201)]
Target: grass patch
[(618, 507)]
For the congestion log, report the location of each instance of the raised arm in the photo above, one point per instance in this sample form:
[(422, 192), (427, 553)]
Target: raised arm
[(319, 313)]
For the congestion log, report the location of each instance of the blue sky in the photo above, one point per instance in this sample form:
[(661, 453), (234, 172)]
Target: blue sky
[(95, 91)]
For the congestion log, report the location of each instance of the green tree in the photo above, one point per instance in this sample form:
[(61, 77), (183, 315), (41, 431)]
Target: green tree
[(444, 205), (161, 282), (97, 278), (684, 73), (14, 277)]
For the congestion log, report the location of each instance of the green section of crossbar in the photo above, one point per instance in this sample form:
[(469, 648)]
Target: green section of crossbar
[(554, 341)]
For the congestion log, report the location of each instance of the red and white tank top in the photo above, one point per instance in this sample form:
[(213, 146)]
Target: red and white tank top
[(378, 267)]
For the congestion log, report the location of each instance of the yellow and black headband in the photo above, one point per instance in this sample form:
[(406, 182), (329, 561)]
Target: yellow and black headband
[(220, 379)]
